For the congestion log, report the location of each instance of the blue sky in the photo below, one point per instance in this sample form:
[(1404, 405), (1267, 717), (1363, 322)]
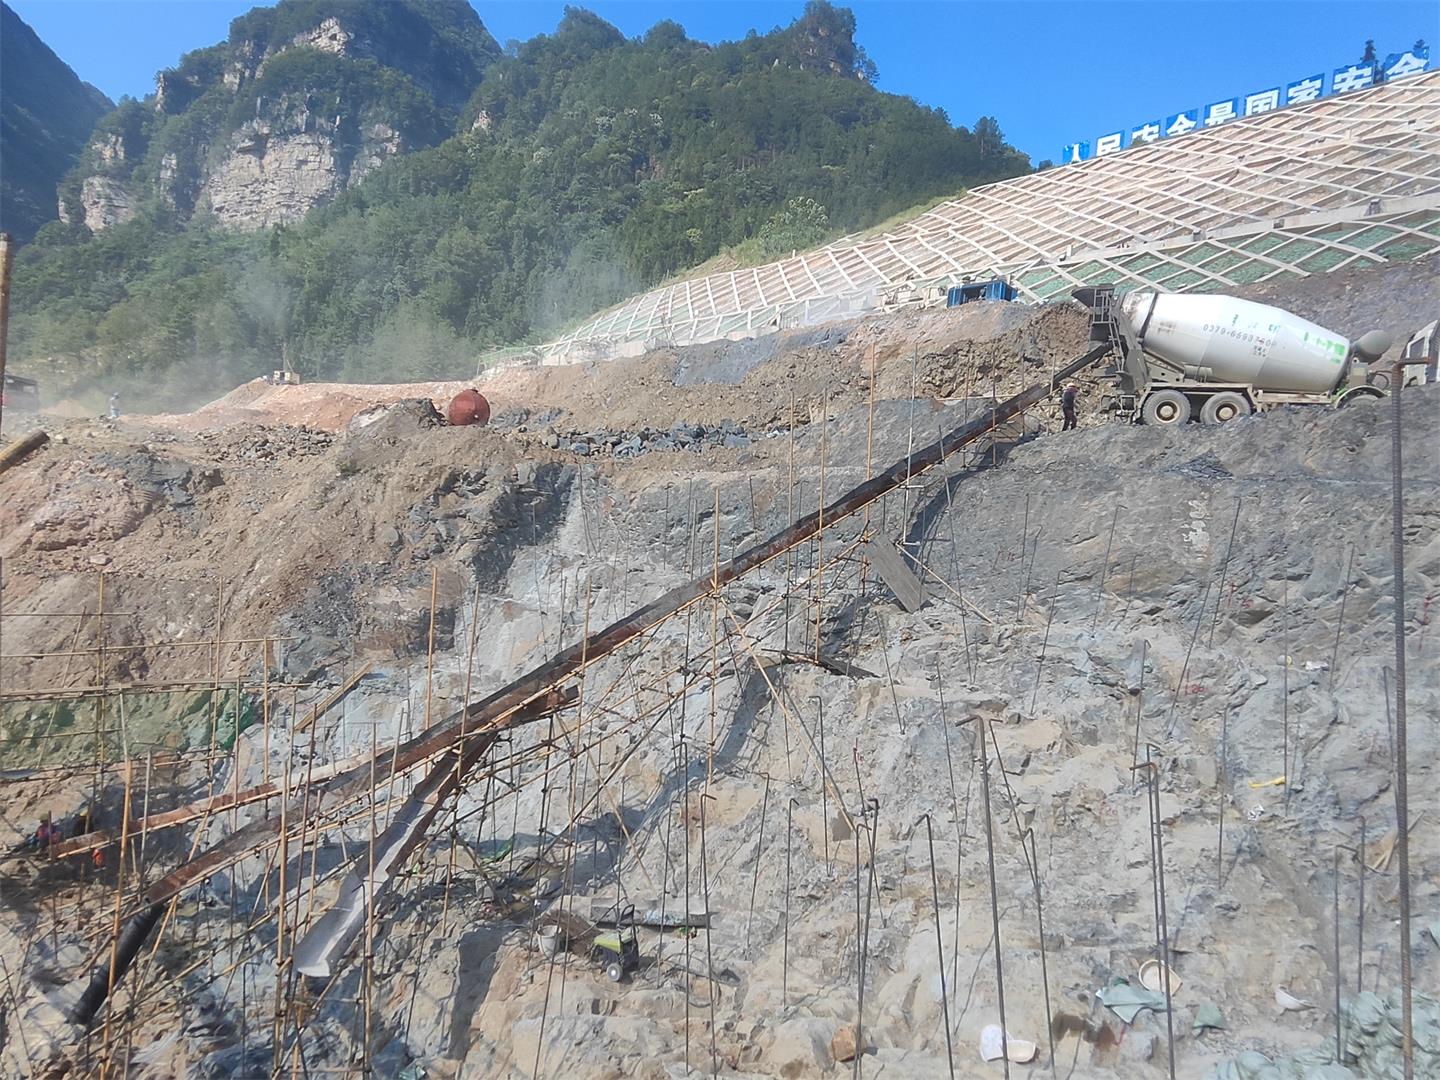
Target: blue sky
[(1049, 72)]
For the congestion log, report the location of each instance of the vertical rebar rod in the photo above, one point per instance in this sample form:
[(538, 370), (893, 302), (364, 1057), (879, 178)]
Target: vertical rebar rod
[(1139, 710), (714, 646), (1162, 926), (1034, 554), (1020, 575), (859, 963), (785, 947), (1285, 673), (994, 897), (1360, 919), (955, 574), (709, 960), (865, 942), (824, 788), (1335, 874), (820, 530), (1340, 622), (1129, 589), (1221, 783), (1045, 644), (1224, 566), (939, 945), (429, 644), (367, 983), (1044, 953), (910, 439), (689, 978), (1185, 668), (119, 903), (1104, 570), (755, 881), (790, 514), (1402, 788), (869, 470), (955, 814)]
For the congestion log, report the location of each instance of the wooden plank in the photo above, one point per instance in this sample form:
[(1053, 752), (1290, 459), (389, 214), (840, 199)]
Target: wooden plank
[(907, 588), (333, 698)]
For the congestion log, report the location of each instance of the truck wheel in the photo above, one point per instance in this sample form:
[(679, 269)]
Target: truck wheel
[(614, 972), (1224, 407), (1359, 393), (1166, 407)]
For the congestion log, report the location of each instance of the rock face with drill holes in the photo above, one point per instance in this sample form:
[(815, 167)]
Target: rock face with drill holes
[(1075, 614)]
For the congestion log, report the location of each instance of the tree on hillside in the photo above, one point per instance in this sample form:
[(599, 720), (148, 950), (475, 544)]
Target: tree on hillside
[(801, 223), (586, 166)]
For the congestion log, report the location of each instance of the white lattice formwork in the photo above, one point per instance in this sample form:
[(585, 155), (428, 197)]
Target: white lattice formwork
[(1307, 189)]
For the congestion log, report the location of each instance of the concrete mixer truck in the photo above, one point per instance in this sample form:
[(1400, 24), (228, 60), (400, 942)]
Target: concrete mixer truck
[(1216, 358)]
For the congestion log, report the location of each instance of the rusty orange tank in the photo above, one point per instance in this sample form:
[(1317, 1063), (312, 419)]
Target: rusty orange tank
[(468, 407)]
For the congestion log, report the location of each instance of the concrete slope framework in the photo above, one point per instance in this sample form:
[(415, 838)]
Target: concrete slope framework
[(1304, 190)]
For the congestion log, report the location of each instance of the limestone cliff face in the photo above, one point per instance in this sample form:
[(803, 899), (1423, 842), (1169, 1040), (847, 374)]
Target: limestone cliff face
[(106, 202), (276, 178), (302, 102)]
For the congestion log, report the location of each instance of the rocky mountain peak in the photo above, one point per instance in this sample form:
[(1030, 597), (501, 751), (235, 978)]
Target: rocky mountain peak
[(300, 102)]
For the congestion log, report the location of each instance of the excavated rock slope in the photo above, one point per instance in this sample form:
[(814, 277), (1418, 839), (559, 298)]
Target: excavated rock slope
[(1221, 597)]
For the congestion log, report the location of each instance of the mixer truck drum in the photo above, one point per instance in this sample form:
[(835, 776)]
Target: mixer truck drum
[(468, 407)]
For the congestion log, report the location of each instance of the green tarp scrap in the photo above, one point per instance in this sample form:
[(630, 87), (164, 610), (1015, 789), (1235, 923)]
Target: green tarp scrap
[(1128, 1002), (1371, 1049), (1208, 1016)]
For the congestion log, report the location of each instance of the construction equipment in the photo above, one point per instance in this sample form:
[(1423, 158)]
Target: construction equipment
[(20, 393), (994, 289), (1217, 358), (617, 951), (1424, 344)]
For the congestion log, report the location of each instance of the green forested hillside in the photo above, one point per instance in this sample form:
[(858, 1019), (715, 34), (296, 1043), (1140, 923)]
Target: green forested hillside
[(46, 114), (584, 167)]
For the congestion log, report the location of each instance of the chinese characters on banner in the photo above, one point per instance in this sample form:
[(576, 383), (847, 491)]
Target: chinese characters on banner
[(1311, 88)]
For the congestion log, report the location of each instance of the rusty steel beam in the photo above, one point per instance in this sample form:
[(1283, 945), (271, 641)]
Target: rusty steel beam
[(506, 707)]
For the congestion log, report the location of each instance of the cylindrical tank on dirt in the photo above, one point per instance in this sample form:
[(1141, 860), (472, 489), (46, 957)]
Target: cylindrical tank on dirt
[(1240, 341), (468, 407)]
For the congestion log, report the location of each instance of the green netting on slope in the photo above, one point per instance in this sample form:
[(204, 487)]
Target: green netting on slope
[(1057, 286), (1325, 259), (1033, 279), (1185, 280), (1404, 248), (1373, 237), (1141, 264), (1225, 261), (1198, 254), (1254, 271), (1294, 249), (1264, 243)]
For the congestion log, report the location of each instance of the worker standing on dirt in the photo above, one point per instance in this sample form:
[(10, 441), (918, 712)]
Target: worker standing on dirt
[(1067, 405), (115, 406)]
